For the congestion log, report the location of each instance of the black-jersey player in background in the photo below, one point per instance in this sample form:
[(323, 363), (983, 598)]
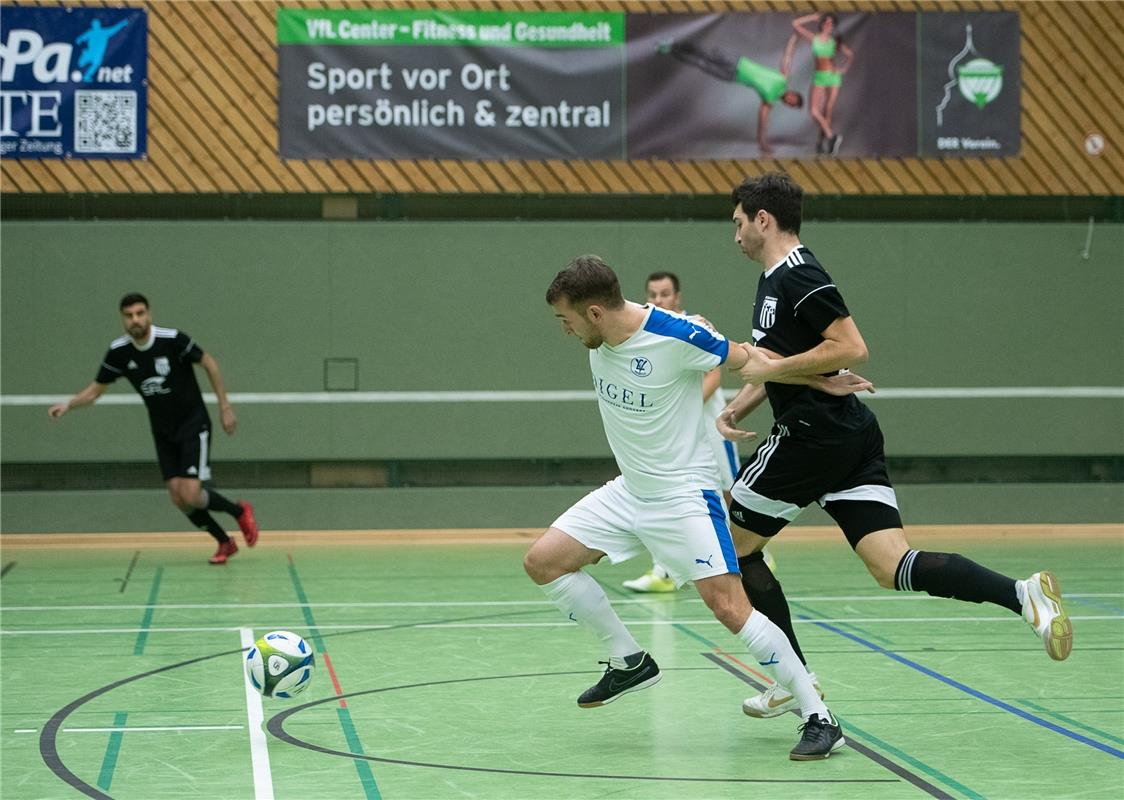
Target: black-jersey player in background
[(160, 364), (827, 449)]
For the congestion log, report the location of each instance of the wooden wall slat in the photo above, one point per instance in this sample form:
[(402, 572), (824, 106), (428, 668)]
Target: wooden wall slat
[(213, 106)]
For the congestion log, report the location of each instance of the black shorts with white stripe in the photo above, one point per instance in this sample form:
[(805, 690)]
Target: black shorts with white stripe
[(187, 455), (846, 476)]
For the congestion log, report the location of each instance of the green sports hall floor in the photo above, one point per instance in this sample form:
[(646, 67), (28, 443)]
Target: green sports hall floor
[(443, 673)]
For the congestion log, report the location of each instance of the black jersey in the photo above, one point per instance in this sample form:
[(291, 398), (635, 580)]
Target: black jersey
[(796, 302), (163, 374)]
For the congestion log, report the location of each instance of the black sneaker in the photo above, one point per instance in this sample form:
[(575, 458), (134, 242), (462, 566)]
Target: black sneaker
[(817, 739), (616, 682)]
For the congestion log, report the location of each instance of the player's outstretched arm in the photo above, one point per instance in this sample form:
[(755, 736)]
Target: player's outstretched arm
[(85, 397), (842, 384), (842, 347), (226, 410)]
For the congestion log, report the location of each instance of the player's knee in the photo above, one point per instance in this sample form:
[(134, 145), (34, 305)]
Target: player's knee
[(539, 567), (880, 573)]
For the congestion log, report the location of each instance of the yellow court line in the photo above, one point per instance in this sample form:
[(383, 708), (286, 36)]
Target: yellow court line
[(477, 536)]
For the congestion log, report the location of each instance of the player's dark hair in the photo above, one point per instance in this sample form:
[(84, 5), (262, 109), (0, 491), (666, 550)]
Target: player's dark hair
[(777, 194), (664, 276), (586, 280), (829, 16), (131, 299)]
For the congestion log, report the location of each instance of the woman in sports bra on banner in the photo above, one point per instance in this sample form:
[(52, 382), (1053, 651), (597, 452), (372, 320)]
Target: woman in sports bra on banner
[(828, 76)]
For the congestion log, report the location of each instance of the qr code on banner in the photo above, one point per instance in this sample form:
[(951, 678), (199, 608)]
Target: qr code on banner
[(105, 122)]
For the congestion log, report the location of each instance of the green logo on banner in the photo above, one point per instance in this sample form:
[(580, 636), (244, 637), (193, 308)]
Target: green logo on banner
[(980, 81)]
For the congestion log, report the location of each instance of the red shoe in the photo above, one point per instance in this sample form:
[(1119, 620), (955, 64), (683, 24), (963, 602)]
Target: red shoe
[(225, 551), (248, 524)]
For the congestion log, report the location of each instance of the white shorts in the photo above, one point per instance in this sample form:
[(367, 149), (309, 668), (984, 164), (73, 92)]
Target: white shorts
[(726, 454), (686, 533)]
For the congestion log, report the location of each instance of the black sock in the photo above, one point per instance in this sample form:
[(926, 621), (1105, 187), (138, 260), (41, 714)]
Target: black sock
[(201, 519), (216, 502), (765, 594), (952, 575)]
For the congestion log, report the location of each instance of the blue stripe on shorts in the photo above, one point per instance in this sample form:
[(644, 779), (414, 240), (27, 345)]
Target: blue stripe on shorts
[(722, 530)]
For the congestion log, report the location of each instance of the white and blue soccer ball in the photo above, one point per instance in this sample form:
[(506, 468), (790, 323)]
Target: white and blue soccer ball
[(280, 664)]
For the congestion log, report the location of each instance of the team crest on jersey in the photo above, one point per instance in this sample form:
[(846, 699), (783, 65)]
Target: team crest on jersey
[(768, 312), (162, 365), (641, 367)]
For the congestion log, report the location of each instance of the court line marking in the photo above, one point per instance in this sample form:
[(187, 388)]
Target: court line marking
[(112, 749), (150, 610), (552, 624), (255, 716), (142, 729), (351, 735), (567, 395), (7, 568), (857, 746), (1077, 737), (881, 597)]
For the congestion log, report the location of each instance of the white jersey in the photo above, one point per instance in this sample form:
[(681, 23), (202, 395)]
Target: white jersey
[(649, 389)]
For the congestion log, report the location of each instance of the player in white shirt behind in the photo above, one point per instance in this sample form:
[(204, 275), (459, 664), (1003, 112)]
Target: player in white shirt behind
[(648, 368), (663, 290)]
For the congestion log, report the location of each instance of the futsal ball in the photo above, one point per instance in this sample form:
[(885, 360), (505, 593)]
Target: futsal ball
[(280, 664)]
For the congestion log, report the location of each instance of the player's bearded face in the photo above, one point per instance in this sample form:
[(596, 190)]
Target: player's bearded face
[(576, 323), (136, 320), (746, 235)]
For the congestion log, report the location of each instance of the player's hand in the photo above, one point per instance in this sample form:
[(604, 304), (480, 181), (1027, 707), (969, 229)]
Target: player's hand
[(843, 384), (57, 410), (229, 421), (756, 370), (730, 430)]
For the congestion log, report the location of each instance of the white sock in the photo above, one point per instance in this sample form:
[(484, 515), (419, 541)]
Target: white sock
[(768, 644), (581, 599), (659, 571)]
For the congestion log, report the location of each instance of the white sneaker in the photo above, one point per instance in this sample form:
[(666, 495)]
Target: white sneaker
[(776, 700), (1041, 596), (651, 581)]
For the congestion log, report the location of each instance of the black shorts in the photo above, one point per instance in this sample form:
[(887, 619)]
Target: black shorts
[(186, 457), (846, 476)]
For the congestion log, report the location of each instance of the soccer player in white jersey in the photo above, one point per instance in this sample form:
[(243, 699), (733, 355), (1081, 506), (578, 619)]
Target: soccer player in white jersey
[(648, 367), (664, 291)]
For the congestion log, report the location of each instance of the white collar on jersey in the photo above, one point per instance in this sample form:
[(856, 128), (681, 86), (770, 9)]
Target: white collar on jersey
[(787, 256), (149, 343)]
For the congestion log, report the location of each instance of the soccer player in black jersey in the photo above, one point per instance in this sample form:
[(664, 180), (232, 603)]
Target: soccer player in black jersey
[(829, 449), (159, 363)]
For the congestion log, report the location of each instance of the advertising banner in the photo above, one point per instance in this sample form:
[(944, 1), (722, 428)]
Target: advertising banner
[(73, 82), (474, 85), (437, 84), (969, 103)]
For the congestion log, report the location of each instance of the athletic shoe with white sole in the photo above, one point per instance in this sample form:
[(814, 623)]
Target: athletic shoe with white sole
[(818, 739), (615, 682), (776, 700), (654, 581), (1041, 596)]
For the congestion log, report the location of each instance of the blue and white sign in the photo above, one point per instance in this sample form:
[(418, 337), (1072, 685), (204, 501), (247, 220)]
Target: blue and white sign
[(73, 82)]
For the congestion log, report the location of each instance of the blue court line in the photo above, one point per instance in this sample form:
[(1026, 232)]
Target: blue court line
[(856, 628), (109, 763), (1094, 603), (366, 777), (142, 636), (1077, 737), (847, 724), (1073, 722)]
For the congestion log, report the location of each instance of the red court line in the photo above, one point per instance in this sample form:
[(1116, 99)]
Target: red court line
[(768, 681), (335, 681)]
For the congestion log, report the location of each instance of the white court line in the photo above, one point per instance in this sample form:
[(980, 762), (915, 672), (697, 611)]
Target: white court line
[(557, 624), (566, 395), (893, 596), (145, 728), (259, 749)]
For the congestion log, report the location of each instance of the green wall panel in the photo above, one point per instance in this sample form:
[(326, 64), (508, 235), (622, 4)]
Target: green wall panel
[(448, 306)]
